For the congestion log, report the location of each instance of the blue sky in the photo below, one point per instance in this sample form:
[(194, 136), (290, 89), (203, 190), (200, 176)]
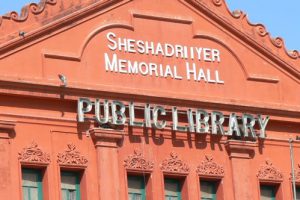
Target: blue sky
[(282, 18)]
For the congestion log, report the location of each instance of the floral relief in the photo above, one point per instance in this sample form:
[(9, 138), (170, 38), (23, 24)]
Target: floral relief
[(136, 161), (33, 154), (174, 165), (71, 157), (297, 174), (210, 168), (269, 172)]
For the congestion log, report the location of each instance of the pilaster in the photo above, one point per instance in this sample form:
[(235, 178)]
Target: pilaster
[(7, 131), (106, 144), (240, 154)]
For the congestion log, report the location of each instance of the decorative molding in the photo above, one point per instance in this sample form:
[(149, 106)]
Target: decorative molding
[(297, 175), (268, 172), (261, 30), (33, 155), (278, 42), (294, 54), (106, 138), (174, 165), (7, 129), (222, 13), (34, 8), (240, 149), (71, 157), (136, 161), (237, 18), (210, 168), (217, 2)]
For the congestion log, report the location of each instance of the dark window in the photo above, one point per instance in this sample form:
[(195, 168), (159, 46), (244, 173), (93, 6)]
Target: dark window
[(70, 185), (32, 184), (172, 189), (136, 188), (267, 192), (208, 190)]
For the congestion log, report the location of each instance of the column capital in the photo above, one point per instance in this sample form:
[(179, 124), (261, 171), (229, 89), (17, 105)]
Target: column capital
[(106, 137), (7, 129), (240, 149)]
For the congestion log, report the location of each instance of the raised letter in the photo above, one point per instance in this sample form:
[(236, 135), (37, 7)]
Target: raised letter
[(162, 124), (81, 109), (233, 125), (98, 118), (248, 124), (132, 116), (169, 50), (190, 117), (118, 115), (263, 124), (206, 54), (111, 66), (175, 121), (190, 71), (109, 36), (215, 55), (217, 119), (147, 115), (202, 118), (218, 78)]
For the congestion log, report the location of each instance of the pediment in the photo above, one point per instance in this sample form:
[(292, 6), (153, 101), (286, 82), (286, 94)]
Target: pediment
[(196, 50)]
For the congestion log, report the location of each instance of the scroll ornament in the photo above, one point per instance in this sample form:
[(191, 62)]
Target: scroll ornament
[(33, 154), (210, 168), (136, 161), (174, 165), (269, 172), (71, 157)]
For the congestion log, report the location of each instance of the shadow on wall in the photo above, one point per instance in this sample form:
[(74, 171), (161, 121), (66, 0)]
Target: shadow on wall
[(178, 139)]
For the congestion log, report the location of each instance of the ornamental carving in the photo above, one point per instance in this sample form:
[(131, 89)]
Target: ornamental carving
[(269, 173), (294, 54), (251, 27), (174, 165), (278, 42), (210, 168), (261, 30), (34, 8), (217, 2), (136, 161), (33, 155), (297, 174), (237, 13), (71, 157)]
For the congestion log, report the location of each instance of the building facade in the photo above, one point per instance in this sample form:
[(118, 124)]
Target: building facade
[(139, 99)]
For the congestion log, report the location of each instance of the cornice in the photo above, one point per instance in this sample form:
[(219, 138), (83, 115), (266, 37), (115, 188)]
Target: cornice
[(217, 8), (255, 35), (211, 7), (52, 90), (21, 29), (32, 8), (7, 129), (261, 30)]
